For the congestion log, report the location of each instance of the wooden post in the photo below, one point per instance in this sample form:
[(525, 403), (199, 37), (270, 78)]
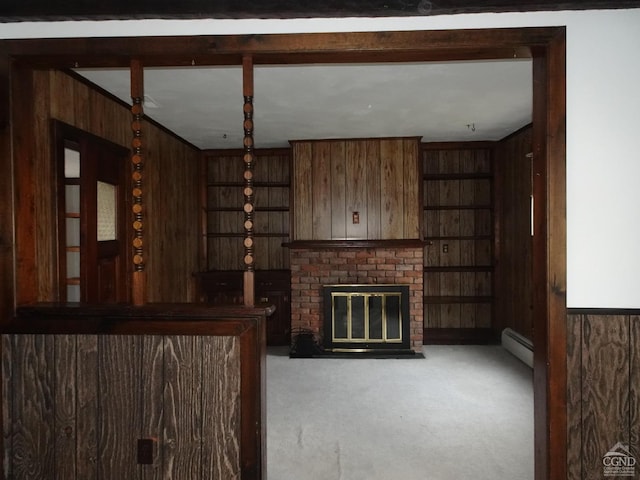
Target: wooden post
[(248, 208), (137, 111)]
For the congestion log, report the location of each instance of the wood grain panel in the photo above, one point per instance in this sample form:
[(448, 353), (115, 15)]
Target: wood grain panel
[(321, 164), (65, 368), (356, 193), (33, 433), (87, 391), (338, 191), (634, 388), (302, 191), (8, 355), (411, 183), (152, 387), (605, 389), (119, 415), (391, 171), (574, 397), (182, 407), (374, 192), (221, 408)]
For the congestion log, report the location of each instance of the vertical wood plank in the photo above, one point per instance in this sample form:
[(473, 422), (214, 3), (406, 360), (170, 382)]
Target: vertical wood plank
[(411, 183), (391, 175), (33, 430), (321, 158), (634, 388), (65, 405), (574, 397), (87, 407), (151, 390), (221, 408), (8, 400), (182, 438), (356, 193), (605, 389), (374, 195), (338, 210), (301, 184), (119, 405)]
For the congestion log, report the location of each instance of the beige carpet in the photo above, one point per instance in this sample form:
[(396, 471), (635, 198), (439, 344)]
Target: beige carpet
[(462, 412)]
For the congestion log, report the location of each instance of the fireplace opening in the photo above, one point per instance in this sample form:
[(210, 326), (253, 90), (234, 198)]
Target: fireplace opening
[(366, 318)]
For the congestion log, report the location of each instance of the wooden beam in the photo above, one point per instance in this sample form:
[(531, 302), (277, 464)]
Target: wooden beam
[(138, 293), (249, 157), (124, 9)]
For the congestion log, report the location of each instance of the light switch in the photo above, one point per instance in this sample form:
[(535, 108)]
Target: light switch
[(356, 218)]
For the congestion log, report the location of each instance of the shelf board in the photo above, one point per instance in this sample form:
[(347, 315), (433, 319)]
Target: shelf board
[(433, 300), (458, 176), (457, 207), (470, 268)]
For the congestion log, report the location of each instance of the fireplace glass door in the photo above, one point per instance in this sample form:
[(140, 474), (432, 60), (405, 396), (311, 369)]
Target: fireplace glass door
[(365, 317)]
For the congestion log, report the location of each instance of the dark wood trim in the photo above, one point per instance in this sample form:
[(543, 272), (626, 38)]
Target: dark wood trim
[(603, 311), (460, 336), (43, 10), (549, 259), (339, 244), (360, 47)]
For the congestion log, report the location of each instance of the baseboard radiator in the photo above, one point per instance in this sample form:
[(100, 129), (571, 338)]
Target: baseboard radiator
[(519, 346)]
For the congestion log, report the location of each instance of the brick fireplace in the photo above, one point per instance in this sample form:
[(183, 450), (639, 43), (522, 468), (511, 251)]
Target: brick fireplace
[(314, 264)]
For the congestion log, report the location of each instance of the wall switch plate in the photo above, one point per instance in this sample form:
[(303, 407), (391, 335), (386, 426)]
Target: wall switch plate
[(445, 248), (145, 451)]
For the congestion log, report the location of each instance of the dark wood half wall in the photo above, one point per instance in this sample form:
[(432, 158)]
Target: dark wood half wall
[(16, 10), (603, 388)]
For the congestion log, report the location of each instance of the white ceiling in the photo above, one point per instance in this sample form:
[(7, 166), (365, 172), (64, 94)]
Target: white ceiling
[(450, 101)]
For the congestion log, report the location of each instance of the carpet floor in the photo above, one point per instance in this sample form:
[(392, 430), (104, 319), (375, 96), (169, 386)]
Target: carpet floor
[(462, 412)]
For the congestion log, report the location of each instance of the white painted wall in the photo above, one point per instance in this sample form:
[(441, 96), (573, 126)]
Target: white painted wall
[(603, 123)]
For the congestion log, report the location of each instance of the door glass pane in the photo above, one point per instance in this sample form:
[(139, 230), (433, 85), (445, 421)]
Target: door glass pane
[(71, 163), (106, 212)]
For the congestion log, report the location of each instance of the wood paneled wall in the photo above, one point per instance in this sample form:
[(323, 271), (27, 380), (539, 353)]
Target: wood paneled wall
[(77, 404), (224, 196), (514, 290), (81, 384), (603, 389), (171, 172), (377, 178)]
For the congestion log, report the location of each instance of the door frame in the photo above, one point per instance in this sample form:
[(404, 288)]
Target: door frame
[(545, 45)]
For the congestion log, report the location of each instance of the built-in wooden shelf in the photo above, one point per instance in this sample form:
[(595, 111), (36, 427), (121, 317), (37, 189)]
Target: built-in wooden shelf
[(440, 300), (73, 281), (73, 248), (72, 215)]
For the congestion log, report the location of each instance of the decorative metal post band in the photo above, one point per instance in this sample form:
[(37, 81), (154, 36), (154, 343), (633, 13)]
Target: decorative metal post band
[(136, 160), (249, 193)]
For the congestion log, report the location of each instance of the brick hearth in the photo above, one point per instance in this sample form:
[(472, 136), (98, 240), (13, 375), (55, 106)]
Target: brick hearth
[(313, 267)]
